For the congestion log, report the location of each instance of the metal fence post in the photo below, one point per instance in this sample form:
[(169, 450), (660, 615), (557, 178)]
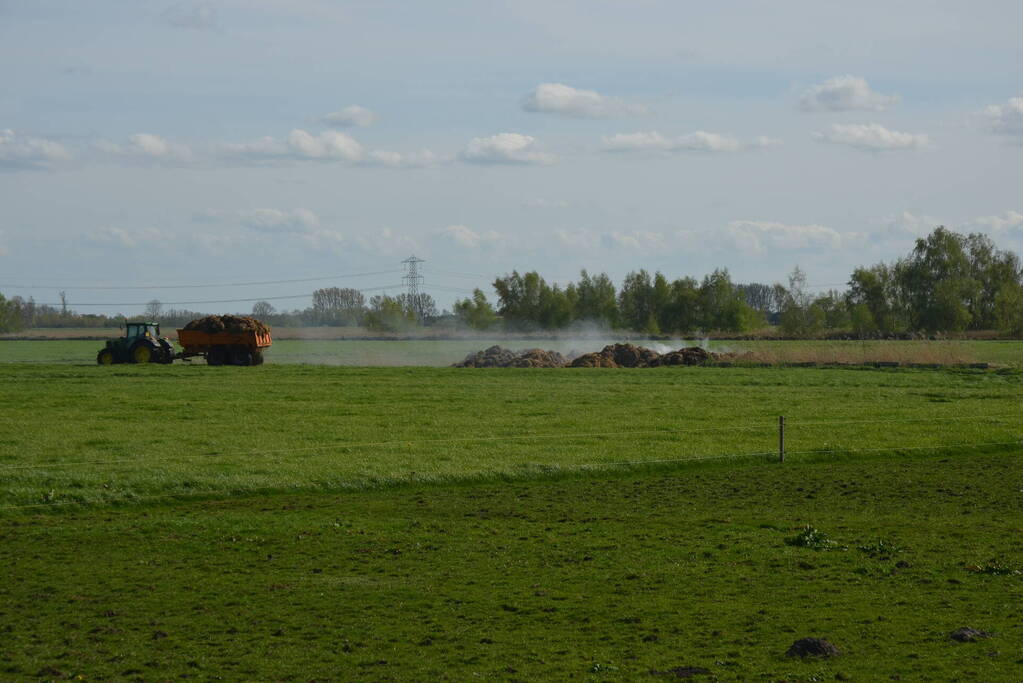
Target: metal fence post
[(781, 438)]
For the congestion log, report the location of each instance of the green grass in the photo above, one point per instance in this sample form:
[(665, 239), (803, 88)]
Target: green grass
[(360, 352), (335, 523), (90, 433), (604, 577)]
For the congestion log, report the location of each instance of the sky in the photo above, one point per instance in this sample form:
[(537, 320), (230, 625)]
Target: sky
[(233, 150)]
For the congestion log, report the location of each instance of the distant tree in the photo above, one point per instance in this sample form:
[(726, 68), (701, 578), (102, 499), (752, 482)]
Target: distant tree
[(338, 306), (683, 312), (1009, 309), (800, 315), (422, 307), (877, 289), (11, 319), (637, 303), (992, 270), (722, 306), (836, 313), (938, 281), (862, 321), (518, 299), (154, 309), (759, 296), (386, 314), (596, 300), (476, 312), (262, 309)]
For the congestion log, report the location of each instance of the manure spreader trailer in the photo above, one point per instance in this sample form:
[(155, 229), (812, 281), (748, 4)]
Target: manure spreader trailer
[(142, 343)]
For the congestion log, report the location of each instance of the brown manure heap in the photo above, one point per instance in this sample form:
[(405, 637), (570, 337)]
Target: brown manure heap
[(498, 357), (234, 324), (612, 356), (629, 356)]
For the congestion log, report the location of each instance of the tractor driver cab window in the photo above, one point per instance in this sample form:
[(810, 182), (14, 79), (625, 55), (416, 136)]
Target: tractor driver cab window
[(151, 331), (132, 331)]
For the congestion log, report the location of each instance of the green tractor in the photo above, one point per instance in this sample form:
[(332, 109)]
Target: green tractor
[(141, 343)]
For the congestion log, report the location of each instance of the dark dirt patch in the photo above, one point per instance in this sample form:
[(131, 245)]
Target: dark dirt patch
[(812, 647), (968, 635), (682, 672)]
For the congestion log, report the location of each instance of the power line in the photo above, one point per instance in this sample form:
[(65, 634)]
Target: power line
[(456, 274), (218, 301), (217, 284)]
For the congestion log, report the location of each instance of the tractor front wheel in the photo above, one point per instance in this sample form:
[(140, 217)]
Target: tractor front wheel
[(105, 357)]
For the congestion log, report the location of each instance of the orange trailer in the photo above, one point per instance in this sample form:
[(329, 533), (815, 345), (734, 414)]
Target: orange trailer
[(224, 348)]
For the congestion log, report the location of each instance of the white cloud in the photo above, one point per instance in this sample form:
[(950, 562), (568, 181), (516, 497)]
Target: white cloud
[(385, 242), (700, 141), (845, 93), (277, 220), (639, 240), (463, 237), (578, 238), (907, 225), (1004, 119), (323, 240), (1010, 221), (25, 152), (352, 115), (765, 142), (128, 239), (299, 144), (147, 146), (197, 16), (423, 157), (506, 148), (871, 137), (558, 98), (762, 236)]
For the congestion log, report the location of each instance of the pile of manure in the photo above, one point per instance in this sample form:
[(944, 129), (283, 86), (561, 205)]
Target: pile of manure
[(611, 356), (498, 357)]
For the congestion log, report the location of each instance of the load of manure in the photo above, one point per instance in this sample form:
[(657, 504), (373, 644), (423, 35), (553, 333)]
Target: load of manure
[(234, 324)]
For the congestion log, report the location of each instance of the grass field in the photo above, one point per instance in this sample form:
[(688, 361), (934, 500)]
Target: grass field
[(95, 433), (438, 353), (338, 523)]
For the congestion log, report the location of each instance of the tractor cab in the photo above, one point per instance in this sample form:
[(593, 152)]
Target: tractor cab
[(141, 343), (142, 329)]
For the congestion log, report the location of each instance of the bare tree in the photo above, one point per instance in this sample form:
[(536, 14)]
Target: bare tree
[(262, 309), (153, 310)]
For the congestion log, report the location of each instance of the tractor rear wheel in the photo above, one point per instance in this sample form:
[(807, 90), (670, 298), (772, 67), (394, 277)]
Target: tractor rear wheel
[(105, 357), (142, 353)]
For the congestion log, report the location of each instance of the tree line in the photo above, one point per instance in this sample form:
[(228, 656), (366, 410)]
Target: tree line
[(948, 283), (332, 306)]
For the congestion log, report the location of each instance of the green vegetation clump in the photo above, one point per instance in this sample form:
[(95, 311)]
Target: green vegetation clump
[(813, 539)]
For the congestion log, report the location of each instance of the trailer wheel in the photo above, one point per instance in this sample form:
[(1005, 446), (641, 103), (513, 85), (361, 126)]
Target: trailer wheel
[(216, 356), (242, 357), (257, 357)]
